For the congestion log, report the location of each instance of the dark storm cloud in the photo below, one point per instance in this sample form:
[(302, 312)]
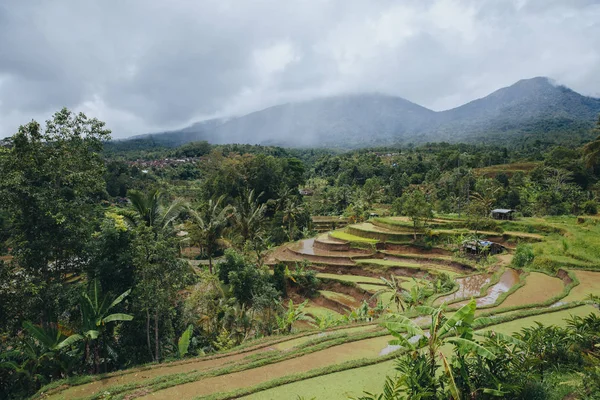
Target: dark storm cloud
[(151, 65)]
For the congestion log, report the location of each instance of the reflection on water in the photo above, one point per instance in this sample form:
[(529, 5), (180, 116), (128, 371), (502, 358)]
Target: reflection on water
[(509, 278), (468, 286), (307, 246)]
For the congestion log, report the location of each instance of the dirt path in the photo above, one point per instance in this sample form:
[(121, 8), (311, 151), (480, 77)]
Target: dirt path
[(225, 383)]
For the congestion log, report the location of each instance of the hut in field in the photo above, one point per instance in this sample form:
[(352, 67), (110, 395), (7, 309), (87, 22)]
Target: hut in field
[(502, 214), (477, 247)]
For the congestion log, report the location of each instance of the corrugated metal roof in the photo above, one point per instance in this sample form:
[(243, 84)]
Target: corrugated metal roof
[(503, 210)]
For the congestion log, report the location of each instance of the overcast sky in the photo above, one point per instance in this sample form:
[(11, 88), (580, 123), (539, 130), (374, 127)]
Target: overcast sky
[(150, 65)]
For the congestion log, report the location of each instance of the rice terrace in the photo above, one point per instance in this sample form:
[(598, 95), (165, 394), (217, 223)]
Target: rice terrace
[(342, 349), (303, 200)]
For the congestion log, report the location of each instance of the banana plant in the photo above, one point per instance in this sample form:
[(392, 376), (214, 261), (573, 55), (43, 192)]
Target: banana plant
[(457, 330), (291, 315), (394, 287), (95, 315)]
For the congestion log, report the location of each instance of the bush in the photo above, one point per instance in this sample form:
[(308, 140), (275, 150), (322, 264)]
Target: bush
[(590, 207), (523, 256), (279, 280), (306, 280), (233, 262)]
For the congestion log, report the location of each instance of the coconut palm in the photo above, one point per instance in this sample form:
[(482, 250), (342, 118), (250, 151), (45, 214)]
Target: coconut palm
[(152, 210), (249, 217), (292, 208), (207, 227)]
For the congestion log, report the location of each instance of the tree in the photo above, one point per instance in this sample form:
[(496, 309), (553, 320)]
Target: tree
[(207, 227), (419, 369), (95, 315), (292, 208), (292, 315), (50, 184), (159, 276), (150, 209), (249, 217), (417, 208), (591, 151)]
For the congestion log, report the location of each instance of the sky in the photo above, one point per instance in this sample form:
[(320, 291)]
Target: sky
[(153, 65)]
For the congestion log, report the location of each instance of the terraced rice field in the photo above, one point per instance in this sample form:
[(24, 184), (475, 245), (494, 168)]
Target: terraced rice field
[(589, 283), (538, 288), (337, 363), (351, 383)]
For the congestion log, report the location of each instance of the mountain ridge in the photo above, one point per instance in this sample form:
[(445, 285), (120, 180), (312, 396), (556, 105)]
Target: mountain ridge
[(534, 106)]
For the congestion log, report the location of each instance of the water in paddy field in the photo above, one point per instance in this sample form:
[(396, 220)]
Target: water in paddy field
[(468, 286), (509, 278), (307, 246)]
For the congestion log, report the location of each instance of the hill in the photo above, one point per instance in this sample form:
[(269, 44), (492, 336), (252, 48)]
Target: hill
[(529, 108)]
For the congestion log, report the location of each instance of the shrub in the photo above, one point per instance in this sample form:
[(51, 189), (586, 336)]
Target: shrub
[(305, 279), (279, 280), (234, 261), (590, 207), (523, 256)]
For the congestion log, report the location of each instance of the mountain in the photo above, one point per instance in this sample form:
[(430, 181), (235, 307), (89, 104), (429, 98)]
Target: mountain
[(529, 108)]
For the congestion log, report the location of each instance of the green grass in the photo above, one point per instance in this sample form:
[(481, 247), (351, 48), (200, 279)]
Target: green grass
[(343, 235), (338, 385), (321, 312), (340, 298), (431, 268), (550, 318), (578, 246), (349, 278)]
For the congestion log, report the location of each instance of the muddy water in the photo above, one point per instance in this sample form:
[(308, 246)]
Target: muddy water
[(468, 286), (306, 246), (509, 278)]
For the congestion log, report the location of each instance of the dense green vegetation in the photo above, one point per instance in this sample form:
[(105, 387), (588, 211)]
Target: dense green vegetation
[(117, 255)]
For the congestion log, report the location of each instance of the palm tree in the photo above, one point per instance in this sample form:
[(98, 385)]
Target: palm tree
[(150, 209), (249, 217), (591, 151), (208, 226), (291, 210), (95, 315)]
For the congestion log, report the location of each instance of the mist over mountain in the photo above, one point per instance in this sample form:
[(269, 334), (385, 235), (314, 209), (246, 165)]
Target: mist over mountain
[(529, 107)]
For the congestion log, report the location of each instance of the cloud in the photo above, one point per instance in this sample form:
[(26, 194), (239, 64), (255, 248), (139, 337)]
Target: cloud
[(150, 65)]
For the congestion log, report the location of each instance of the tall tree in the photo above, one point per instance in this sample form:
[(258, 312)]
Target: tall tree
[(249, 217), (51, 183), (153, 210), (417, 208), (208, 226), (591, 151)]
